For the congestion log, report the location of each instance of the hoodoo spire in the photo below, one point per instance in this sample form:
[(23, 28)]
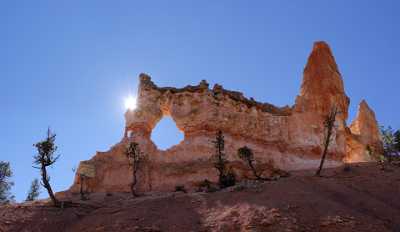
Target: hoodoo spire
[(322, 85)]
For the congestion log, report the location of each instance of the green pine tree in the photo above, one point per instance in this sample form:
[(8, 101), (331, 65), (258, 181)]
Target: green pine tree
[(397, 140), (5, 183), (34, 191), (45, 158)]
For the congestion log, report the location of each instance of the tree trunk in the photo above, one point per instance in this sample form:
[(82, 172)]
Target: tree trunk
[(134, 182), (255, 172), (326, 146), (47, 186)]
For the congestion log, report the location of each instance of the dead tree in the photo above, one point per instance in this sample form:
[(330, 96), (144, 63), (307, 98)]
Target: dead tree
[(135, 158), (45, 158), (329, 125), (246, 154)]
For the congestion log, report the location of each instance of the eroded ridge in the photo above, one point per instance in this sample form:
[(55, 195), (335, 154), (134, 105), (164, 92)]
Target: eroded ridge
[(288, 138)]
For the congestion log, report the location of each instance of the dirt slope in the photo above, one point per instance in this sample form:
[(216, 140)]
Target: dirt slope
[(362, 199)]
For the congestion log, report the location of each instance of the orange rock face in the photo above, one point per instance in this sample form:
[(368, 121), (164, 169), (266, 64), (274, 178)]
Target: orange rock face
[(364, 142), (288, 138), (322, 86)]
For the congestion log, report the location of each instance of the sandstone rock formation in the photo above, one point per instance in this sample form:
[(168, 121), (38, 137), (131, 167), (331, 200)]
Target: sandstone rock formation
[(288, 138), (322, 89), (322, 86), (364, 142)]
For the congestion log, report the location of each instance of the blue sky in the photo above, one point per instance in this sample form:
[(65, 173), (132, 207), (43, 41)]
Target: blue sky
[(70, 64)]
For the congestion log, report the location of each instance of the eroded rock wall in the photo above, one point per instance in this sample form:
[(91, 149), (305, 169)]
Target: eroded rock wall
[(288, 138), (363, 140)]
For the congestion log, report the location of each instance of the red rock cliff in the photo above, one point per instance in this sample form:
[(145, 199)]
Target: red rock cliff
[(287, 137)]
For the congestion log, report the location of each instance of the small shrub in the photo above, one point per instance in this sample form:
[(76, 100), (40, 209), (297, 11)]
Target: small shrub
[(206, 186), (219, 158), (228, 180), (180, 188), (246, 154), (206, 183), (135, 160), (34, 191), (220, 162), (382, 160), (5, 183)]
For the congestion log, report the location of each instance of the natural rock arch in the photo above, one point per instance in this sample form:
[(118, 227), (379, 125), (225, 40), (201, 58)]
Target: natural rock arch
[(166, 134), (289, 137)]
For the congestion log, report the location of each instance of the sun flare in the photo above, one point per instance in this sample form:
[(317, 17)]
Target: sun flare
[(130, 103)]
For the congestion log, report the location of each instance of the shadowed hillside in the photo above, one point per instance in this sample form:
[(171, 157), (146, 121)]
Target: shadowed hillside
[(363, 198)]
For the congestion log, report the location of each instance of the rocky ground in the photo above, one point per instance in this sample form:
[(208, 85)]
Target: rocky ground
[(363, 198)]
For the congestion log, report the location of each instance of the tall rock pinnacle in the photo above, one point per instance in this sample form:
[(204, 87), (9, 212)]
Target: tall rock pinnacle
[(322, 86), (364, 142), (365, 126)]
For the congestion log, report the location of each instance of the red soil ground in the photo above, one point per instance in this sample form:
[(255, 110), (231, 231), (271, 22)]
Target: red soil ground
[(364, 198)]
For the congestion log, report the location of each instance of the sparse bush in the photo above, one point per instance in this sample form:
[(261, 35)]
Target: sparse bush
[(135, 158), (391, 144), (206, 186), (382, 161), (246, 154), (219, 159), (180, 188), (226, 177), (228, 180), (5, 183), (397, 140), (45, 158), (34, 191)]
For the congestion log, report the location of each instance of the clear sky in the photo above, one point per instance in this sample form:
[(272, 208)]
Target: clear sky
[(70, 64)]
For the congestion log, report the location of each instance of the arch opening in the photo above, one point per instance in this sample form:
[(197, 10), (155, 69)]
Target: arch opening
[(166, 134)]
